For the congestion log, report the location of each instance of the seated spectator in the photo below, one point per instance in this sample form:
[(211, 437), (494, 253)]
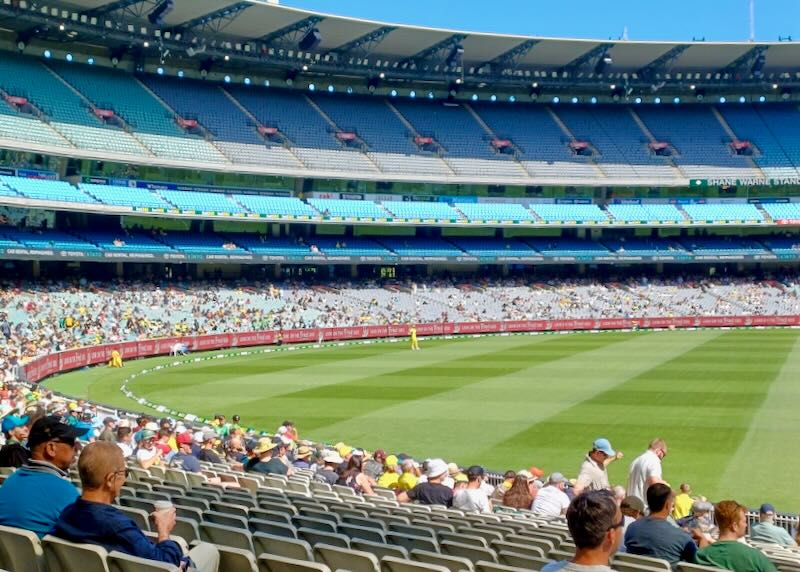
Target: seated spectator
[(432, 491), (264, 461), (683, 502), (632, 509), (654, 535), (373, 467), (94, 519), (125, 441), (147, 454), (410, 476), (390, 477), (728, 552), (301, 458), (519, 496), (14, 453), (108, 432), (502, 488), (551, 500), (473, 498), (701, 522), (595, 523), (184, 459), (207, 452), (327, 474), (767, 531), (34, 495), (354, 477)]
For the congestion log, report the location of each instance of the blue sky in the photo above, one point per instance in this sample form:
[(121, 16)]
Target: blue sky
[(714, 20)]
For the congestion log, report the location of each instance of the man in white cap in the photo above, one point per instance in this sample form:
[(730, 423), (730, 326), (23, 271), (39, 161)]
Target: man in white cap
[(327, 473), (646, 469), (551, 500), (594, 470), (432, 491)]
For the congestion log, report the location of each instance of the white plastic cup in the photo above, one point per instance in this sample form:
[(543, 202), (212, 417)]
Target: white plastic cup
[(161, 505)]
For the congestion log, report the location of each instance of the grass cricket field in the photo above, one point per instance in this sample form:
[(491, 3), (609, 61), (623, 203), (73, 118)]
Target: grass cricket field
[(726, 401)]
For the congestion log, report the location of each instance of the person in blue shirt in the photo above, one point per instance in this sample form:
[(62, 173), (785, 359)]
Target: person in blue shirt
[(184, 458), (93, 519), (35, 494)]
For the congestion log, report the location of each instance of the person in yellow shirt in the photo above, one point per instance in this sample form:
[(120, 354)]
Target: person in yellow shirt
[(116, 359), (408, 480), (389, 479), (412, 331), (683, 503)]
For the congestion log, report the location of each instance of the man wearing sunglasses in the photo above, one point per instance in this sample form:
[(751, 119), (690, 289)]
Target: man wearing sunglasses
[(34, 496), (94, 519), (595, 524)]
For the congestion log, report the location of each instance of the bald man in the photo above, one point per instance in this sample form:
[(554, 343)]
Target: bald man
[(93, 519)]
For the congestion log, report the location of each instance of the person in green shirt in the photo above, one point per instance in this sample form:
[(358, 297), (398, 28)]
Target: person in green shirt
[(728, 552)]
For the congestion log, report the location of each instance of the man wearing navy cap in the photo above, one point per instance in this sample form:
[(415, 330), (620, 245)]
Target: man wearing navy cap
[(594, 470), (34, 496), (767, 531), (14, 453)]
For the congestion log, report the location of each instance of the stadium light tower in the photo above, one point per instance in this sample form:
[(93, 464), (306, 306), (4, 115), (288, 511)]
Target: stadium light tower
[(752, 20)]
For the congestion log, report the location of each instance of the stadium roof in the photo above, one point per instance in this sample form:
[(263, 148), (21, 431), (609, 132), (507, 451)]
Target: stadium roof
[(427, 52)]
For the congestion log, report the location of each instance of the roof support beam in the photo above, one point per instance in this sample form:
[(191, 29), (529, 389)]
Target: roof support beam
[(746, 60), (587, 58), (128, 6), (366, 43), (662, 62), (434, 52), (510, 58), (215, 21), (292, 33)]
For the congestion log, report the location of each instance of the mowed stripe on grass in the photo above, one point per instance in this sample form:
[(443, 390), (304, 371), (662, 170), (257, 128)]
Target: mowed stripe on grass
[(513, 401)]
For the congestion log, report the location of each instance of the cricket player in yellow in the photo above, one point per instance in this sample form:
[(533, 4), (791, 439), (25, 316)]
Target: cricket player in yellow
[(412, 331), (116, 359)]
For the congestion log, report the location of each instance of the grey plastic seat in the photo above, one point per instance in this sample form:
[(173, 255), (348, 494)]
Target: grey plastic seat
[(147, 506), (522, 561), (365, 522), (226, 535), (524, 549), (270, 527), (193, 502), (413, 530), (410, 542), (137, 515), (272, 515), (230, 508), (363, 532), (120, 562), (463, 538), (64, 556), (288, 547), (687, 567), (487, 534), (236, 560), (472, 552), (225, 519), (314, 523), (186, 528), (331, 538), (269, 563), (337, 558), (392, 564), (483, 566), (20, 550), (454, 563), (622, 566), (378, 549), (641, 560)]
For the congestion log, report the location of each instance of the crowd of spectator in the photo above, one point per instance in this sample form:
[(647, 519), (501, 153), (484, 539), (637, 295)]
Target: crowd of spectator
[(37, 318)]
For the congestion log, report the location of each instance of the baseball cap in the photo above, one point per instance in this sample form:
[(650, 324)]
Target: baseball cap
[(767, 508), (12, 422), (264, 444), (475, 471), (184, 438), (52, 428), (108, 420), (604, 445), (461, 478), (391, 461), (556, 478), (146, 434), (436, 467), (632, 503)]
